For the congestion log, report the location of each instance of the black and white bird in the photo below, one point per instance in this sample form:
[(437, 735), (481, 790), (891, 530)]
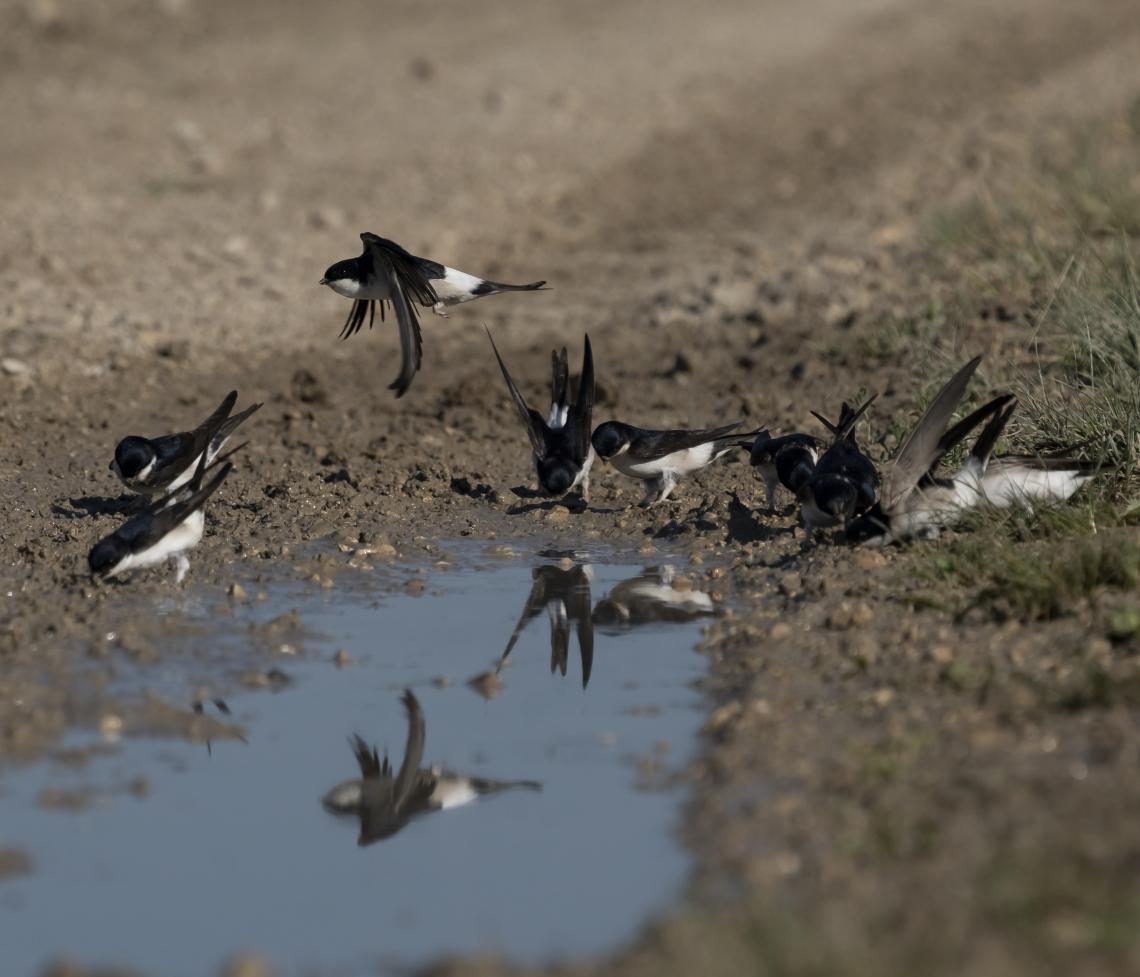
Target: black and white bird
[(913, 500), (165, 530), (787, 461), (560, 442), (385, 801), (564, 593), (385, 272), (844, 482), (656, 595), (661, 458), (916, 500), (158, 466)]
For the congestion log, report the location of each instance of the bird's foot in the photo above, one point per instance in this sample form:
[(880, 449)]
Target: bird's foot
[(181, 568)]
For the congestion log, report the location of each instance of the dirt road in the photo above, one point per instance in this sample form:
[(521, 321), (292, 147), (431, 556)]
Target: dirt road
[(726, 196)]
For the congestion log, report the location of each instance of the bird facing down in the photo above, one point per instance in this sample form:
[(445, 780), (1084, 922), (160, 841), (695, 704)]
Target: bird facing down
[(157, 466), (384, 802), (660, 458), (844, 481), (167, 528), (787, 461), (384, 273), (560, 442)]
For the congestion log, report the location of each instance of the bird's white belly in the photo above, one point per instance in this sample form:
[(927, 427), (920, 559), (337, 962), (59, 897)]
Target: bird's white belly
[(678, 463), (187, 534)]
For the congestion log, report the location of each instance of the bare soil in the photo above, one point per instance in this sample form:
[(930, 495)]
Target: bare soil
[(728, 197)]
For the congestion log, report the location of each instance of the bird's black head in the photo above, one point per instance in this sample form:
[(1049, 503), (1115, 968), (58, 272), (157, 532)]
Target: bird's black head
[(556, 475), (609, 438), (132, 455), (105, 556), (343, 271), (837, 496), (761, 453)]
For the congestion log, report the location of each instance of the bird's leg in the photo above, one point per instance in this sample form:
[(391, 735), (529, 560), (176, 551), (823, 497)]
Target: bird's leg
[(770, 489), (668, 483), (652, 491), (438, 309), (585, 485), (181, 568)]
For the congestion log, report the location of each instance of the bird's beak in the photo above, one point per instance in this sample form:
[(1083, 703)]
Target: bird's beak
[(323, 281)]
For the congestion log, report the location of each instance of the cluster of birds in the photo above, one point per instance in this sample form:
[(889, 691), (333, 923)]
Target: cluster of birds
[(834, 482)]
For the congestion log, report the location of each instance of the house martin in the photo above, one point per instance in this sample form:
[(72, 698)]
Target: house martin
[(660, 458), (561, 445), (385, 272), (845, 481), (787, 461), (385, 801), (158, 466)]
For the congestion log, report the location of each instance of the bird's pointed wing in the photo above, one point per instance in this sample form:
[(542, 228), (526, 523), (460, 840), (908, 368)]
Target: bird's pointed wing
[(848, 418), (583, 407), (366, 758), (413, 749), (532, 420), (651, 445), (998, 411), (535, 602), (188, 446), (413, 279), (411, 341), (922, 447), (559, 379)]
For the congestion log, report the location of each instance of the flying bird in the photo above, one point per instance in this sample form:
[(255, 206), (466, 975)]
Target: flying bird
[(560, 442), (384, 273), (158, 466), (385, 801), (660, 458)]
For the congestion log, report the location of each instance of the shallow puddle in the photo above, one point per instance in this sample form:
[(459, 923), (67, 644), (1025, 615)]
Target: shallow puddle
[(184, 855)]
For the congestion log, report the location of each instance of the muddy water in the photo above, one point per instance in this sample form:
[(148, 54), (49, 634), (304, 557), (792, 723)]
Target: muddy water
[(180, 855)]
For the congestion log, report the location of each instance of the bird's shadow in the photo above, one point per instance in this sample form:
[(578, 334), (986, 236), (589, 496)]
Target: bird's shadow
[(744, 527), (87, 506), (574, 503)]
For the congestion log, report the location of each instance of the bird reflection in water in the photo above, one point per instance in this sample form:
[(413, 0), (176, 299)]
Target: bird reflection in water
[(385, 801), (563, 590), (656, 595)]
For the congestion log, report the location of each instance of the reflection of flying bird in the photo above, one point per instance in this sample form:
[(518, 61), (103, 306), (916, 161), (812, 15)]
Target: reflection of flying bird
[(385, 272), (654, 595), (565, 595), (385, 801)]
